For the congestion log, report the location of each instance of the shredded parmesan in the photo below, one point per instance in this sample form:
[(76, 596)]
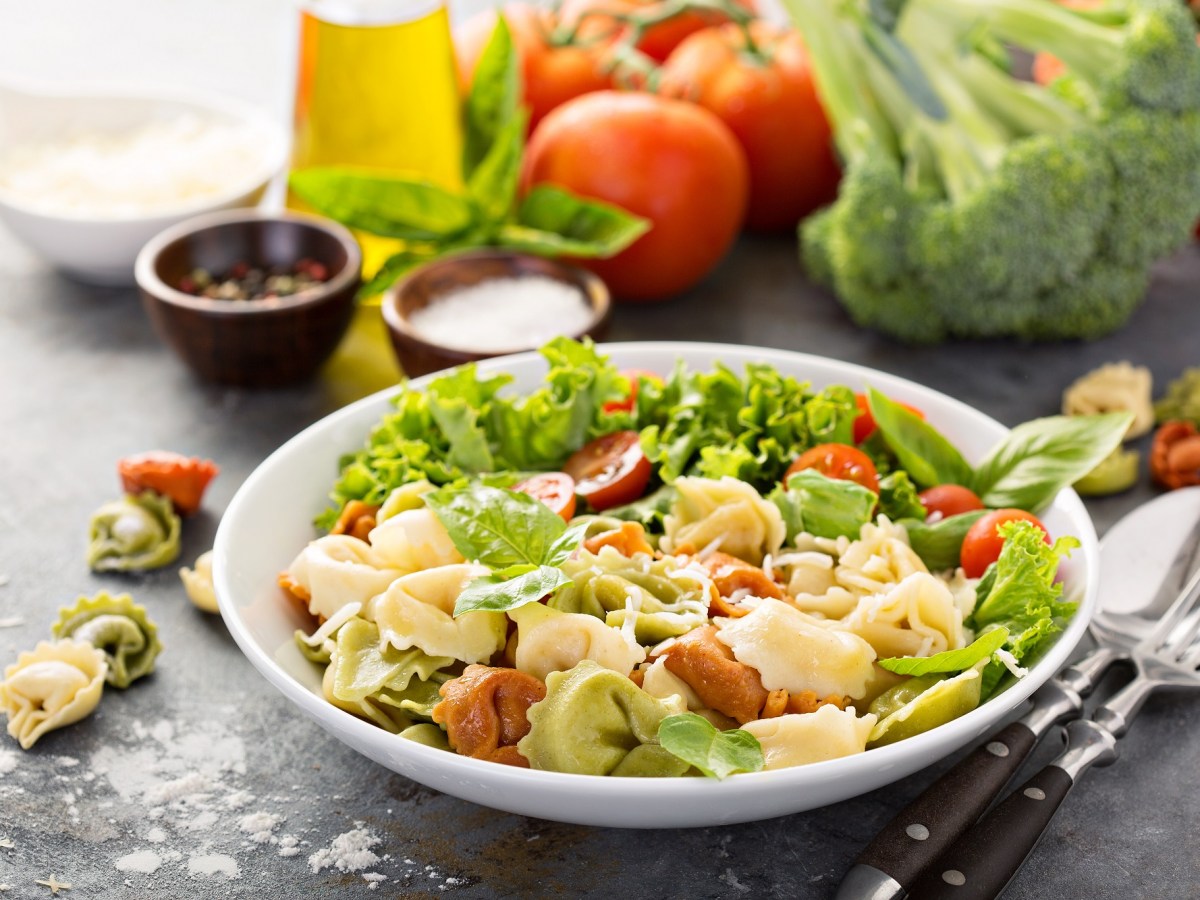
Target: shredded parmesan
[(1010, 663), (332, 624)]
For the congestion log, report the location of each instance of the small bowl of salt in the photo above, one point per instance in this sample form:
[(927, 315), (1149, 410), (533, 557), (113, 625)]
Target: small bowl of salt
[(487, 303)]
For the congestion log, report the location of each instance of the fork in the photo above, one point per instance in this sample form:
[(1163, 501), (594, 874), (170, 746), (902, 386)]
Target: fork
[(988, 855)]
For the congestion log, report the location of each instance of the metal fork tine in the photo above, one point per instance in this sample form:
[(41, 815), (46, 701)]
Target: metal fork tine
[(1191, 659), (1181, 608), (1184, 634)]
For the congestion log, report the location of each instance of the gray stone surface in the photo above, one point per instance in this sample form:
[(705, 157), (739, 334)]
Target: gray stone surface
[(83, 381)]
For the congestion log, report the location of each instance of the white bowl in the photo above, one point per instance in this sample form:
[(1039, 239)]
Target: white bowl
[(268, 522), (103, 250)]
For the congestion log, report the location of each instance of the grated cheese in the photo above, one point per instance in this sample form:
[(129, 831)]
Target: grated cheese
[(160, 167), (504, 314)]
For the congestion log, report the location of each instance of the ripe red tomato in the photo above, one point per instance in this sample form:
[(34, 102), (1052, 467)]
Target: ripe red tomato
[(611, 470), (837, 461), (551, 74), (659, 40), (767, 98), (670, 161), (555, 489), (864, 425), (981, 546), (946, 500), (630, 400)]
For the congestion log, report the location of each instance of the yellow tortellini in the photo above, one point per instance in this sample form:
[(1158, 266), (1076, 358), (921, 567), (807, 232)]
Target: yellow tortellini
[(668, 600), (55, 684), (596, 722), (417, 610), (337, 570), (412, 540), (917, 617), (726, 512), (800, 739), (198, 583), (552, 641), (793, 651)]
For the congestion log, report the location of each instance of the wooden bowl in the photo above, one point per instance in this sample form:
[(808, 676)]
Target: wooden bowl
[(250, 343), (418, 355)]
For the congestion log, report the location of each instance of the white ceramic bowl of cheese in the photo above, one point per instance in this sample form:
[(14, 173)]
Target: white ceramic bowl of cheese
[(269, 522), (101, 248)]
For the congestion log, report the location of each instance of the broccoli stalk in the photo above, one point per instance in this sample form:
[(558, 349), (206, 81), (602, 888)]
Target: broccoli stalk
[(977, 205)]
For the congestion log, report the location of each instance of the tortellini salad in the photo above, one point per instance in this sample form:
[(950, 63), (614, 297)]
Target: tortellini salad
[(793, 649)]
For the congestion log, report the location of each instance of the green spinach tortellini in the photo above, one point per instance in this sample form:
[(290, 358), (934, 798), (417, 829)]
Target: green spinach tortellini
[(134, 533), (597, 722), (922, 703), (117, 627), (668, 600)]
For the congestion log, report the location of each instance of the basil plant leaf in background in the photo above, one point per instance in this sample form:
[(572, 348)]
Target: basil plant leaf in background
[(552, 220), (384, 205), (494, 100)]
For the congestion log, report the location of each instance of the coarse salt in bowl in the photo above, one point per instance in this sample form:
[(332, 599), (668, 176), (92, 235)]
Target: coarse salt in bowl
[(487, 303)]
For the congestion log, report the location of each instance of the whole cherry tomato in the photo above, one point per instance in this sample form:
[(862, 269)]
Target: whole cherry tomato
[(595, 21), (611, 470), (765, 94), (551, 74), (982, 545), (630, 401), (837, 461), (555, 489), (945, 500), (672, 162), (864, 425)]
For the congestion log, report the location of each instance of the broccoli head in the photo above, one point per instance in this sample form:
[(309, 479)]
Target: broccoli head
[(1003, 209)]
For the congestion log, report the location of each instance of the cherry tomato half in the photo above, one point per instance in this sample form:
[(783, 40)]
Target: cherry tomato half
[(630, 401), (555, 489), (981, 546), (837, 461), (947, 500), (864, 425), (611, 470)]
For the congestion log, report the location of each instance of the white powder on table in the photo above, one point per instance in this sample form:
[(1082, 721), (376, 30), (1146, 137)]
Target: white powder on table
[(349, 852), (12, 622), (8, 761), (214, 864), (504, 314), (259, 826), (144, 861)]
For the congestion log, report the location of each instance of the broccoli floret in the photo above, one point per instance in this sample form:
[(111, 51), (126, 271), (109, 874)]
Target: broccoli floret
[(1012, 210)]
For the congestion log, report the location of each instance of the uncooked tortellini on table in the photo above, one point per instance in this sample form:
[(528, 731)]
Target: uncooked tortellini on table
[(1116, 387), (134, 533), (198, 583), (55, 684), (117, 627)]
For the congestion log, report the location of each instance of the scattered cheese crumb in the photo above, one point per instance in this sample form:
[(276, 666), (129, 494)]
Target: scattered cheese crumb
[(214, 864), (145, 861), (349, 852)]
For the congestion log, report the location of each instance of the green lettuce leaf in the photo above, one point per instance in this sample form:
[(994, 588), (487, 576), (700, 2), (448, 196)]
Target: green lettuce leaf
[(718, 754), (823, 506), (949, 660), (898, 497)]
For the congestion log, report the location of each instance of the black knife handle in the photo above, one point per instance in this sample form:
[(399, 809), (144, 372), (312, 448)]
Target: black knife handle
[(920, 832), (984, 860)]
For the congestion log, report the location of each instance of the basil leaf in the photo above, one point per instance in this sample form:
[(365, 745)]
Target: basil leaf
[(922, 451), (495, 593), (823, 506), (494, 98), (566, 544), (384, 204), (1041, 457), (498, 527), (393, 269), (898, 497), (939, 544), (493, 184), (949, 660), (718, 754), (553, 220)]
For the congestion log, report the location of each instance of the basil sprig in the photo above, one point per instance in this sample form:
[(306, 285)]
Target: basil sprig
[(434, 220), (718, 754), (518, 537)]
